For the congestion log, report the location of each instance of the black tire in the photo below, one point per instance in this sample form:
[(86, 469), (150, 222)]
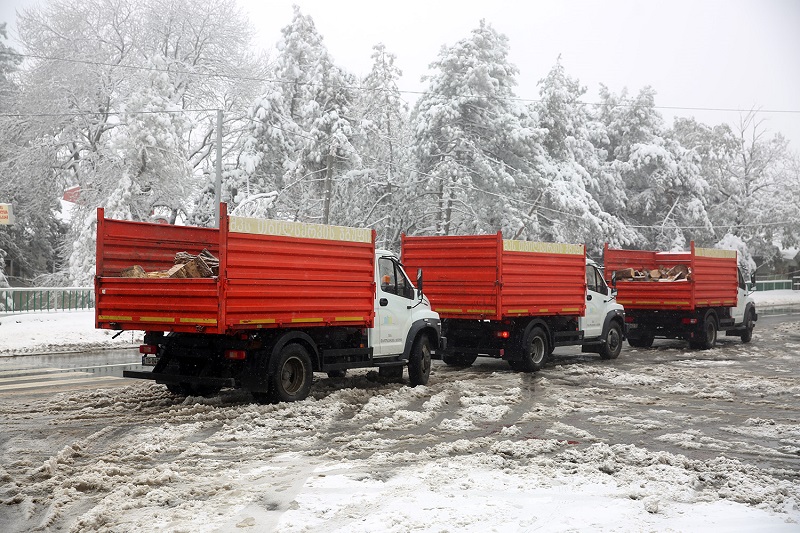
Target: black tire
[(337, 373), (645, 341), (391, 374), (708, 334), (613, 344), (749, 324), (534, 352), (291, 374), (459, 359), (419, 362)]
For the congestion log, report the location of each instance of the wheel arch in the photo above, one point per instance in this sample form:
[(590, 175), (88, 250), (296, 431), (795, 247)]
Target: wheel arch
[(537, 322), (259, 368), (618, 316), (418, 328)]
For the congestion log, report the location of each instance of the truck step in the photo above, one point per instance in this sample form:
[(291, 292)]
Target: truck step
[(173, 378), (726, 323)]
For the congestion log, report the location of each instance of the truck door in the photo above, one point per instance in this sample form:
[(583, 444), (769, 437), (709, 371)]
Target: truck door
[(596, 294), (395, 294), (741, 300)]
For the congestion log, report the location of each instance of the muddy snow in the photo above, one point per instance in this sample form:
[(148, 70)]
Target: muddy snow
[(665, 439)]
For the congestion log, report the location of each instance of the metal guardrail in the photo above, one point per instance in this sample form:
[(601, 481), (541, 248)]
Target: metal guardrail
[(773, 285), (45, 299)]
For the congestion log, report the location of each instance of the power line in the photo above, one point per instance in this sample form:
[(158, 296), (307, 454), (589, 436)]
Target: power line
[(362, 88)]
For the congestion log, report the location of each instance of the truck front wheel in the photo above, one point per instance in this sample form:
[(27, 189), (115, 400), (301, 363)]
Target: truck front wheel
[(291, 374), (613, 345), (419, 362), (749, 324), (534, 352)]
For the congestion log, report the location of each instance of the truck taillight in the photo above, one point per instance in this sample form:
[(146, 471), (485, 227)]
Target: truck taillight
[(236, 355), (629, 319), (689, 321), (149, 349), (502, 334)]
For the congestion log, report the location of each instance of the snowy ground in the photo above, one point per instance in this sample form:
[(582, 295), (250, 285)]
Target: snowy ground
[(659, 440)]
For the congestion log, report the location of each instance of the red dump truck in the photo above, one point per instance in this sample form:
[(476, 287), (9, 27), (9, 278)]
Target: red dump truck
[(711, 296), (287, 299), (515, 300)]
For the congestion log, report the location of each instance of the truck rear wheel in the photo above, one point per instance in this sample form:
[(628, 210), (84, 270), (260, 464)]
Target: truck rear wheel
[(419, 363), (291, 374), (613, 344), (709, 334), (534, 352)]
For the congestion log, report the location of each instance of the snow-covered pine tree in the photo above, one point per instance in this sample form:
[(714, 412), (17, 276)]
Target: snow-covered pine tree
[(301, 141), (579, 202), (666, 194), (474, 143), (383, 190)]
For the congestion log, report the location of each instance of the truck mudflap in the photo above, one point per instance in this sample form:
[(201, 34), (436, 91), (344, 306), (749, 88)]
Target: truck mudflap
[(166, 379)]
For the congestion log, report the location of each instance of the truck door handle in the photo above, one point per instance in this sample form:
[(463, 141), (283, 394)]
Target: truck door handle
[(588, 296), (384, 302)]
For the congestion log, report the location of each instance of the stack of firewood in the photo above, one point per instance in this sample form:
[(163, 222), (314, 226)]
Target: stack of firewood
[(676, 273), (202, 265)]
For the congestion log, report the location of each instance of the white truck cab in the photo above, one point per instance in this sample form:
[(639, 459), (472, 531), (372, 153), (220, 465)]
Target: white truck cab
[(601, 309), (401, 313)]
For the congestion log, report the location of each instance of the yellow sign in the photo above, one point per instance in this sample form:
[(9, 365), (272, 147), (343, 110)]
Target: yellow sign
[(285, 228), (542, 247), (715, 252), (6, 215)]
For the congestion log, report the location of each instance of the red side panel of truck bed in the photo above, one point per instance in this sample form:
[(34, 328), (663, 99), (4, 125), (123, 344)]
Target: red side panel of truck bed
[(485, 277), (152, 304), (284, 280), (713, 283), (276, 275)]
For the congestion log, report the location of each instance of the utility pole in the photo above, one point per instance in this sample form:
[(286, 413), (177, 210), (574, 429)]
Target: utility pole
[(218, 182)]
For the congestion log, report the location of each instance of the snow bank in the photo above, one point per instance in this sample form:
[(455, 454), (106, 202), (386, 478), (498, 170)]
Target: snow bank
[(35, 333), (776, 298)]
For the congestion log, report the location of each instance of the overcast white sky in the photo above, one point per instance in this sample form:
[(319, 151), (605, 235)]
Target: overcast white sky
[(735, 54)]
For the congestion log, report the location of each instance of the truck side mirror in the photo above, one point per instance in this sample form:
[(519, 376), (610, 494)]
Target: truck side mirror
[(614, 280), (753, 280), (419, 282)]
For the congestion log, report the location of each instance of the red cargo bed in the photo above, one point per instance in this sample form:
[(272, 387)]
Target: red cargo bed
[(713, 281), (272, 274), (486, 277)]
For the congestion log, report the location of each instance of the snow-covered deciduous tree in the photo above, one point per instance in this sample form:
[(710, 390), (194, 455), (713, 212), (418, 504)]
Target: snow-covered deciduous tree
[(754, 183), (115, 85), (475, 145), (26, 182)]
